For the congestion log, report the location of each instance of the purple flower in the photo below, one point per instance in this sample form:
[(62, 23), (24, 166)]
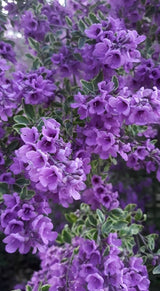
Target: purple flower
[(6, 51), (95, 282), (90, 137), (96, 180), (87, 269), (44, 226), (88, 247), (7, 216), (27, 212), (112, 265), (7, 178), (96, 106), (11, 200), (105, 140), (121, 104), (51, 129), (114, 59), (46, 145), (102, 48), (14, 226), (29, 135), (37, 158), (16, 241), (49, 177), (57, 58), (94, 31), (144, 283), (141, 116), (106, 200)]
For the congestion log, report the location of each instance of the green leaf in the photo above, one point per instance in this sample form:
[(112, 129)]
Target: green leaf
[(24, 193), (66, 235), (92, 220), (117, 213), (28, 288), (59, 239), (21, 119), (34, 44), (36, 64), (120, 225), (150, 10), (81, 25), (18, 127), (29, 110), (84, 207), (101, 15), (138, 215), (97, 80), (93, 18), (81, 42), (4, 188), (106, 251), (135, 228), (92, 234), (71, 217), (45, 287), (156, 270), (151, 240), (129, 244), (30, 56), (87, 86), (16, 188), (78, 57), (87, 20), (13, 145), (130, 207), (68, 21), (107, 227), (100, 215), (22, 181), (116, 82), (30, 194)]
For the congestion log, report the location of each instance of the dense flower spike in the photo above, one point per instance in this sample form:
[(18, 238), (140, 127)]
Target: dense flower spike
[(48, 163), (25, 224), (94, 271)]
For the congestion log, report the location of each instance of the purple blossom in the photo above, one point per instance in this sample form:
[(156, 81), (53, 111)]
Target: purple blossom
[(94, 31), (49, 177), (95, 282)]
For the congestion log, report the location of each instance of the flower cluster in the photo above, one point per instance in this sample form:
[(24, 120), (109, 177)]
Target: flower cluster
[(35, 87), (47, 161), (25, 223), (114, 48), (100, 194), (9, 95), (110, 118), (82, 266), (7, 52), (33, 27)]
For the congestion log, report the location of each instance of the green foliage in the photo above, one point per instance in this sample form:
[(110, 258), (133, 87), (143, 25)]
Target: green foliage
[(68, 21), (81, 25), (115, 81), (26, 193), (29, 111), (34, 44), (93, 18)]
